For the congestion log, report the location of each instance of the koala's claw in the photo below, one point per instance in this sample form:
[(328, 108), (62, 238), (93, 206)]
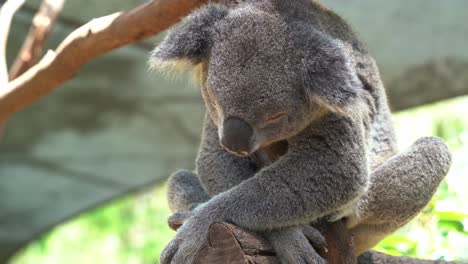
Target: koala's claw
[(182, 251), (315, 237), (191, 237), (177, 219), (296, 245), (168, 253)]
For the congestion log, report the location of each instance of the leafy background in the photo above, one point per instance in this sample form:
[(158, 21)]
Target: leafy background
[(133, 229)]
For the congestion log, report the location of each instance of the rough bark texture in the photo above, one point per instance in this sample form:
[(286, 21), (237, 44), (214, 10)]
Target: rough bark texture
[(33, 46), (340, 243), (230, 244), (40, 29), (373, 257)]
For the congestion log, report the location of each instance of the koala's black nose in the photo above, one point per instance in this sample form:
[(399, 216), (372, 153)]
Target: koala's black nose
[(236, 135)]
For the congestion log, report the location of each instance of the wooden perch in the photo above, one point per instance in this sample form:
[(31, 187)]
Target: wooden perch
[(373, 257), (340, 243), (229, 244)]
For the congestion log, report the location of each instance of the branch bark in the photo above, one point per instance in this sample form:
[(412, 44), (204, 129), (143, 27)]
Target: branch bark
[(374, 257), (230, 244), (7, 12), (340, 243), (95, 38), (34, 43), (40, 29)]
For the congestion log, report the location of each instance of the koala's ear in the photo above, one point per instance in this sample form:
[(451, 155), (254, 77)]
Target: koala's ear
[(329, 78), (189, 43)]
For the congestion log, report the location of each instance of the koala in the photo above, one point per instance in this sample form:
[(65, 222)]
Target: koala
[(297, 130)]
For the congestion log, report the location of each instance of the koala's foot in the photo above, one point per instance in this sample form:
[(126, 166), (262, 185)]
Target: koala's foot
[(400, 188), (184, 191), (297, 245)]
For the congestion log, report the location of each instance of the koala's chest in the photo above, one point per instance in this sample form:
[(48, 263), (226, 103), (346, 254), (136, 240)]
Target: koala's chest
[(267, 155)]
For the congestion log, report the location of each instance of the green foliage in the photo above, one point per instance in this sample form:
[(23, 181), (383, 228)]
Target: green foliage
[(134, 230), (129, 230)]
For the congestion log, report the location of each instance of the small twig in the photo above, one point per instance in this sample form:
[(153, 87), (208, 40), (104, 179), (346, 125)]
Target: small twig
[(41, 26), (7, 12)]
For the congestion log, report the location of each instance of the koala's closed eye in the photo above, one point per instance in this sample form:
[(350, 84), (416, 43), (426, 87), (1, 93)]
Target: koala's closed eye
[(276, 118)]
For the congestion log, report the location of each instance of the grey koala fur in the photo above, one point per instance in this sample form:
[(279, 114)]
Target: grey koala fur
[(291, 77)]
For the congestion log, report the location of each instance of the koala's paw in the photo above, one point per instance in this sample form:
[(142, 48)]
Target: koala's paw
[(177, 220), (190, 239), (297, 245)]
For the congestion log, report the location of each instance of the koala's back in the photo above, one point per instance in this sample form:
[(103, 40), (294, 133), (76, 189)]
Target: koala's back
[(382, 136), (382, 140)]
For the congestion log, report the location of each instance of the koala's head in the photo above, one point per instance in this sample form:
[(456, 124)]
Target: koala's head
[(264, 77)]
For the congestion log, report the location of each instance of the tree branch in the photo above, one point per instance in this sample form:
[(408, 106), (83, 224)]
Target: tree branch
[(374, 257), (91, 40), (32, 47), (7, 12), (97, 37), (34, 43), (230, 244), (340, 243)]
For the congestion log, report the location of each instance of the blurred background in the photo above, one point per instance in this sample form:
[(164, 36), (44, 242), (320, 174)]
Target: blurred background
[(82, 172)]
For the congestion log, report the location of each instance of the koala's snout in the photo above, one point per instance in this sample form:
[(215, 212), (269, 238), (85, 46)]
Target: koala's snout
[(236, 136)]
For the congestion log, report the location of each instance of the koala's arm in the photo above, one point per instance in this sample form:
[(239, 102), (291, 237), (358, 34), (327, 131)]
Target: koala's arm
[(218, 169), (324, 171)]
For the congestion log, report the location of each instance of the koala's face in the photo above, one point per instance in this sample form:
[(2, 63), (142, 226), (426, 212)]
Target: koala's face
[(253, 89), (265, 77)]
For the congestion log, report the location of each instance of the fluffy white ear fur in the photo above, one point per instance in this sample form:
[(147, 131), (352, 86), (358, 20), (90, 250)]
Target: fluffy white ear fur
[(189, 43)]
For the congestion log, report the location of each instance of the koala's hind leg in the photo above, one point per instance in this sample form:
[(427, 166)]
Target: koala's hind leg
[(184, 191), (399, 189)]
